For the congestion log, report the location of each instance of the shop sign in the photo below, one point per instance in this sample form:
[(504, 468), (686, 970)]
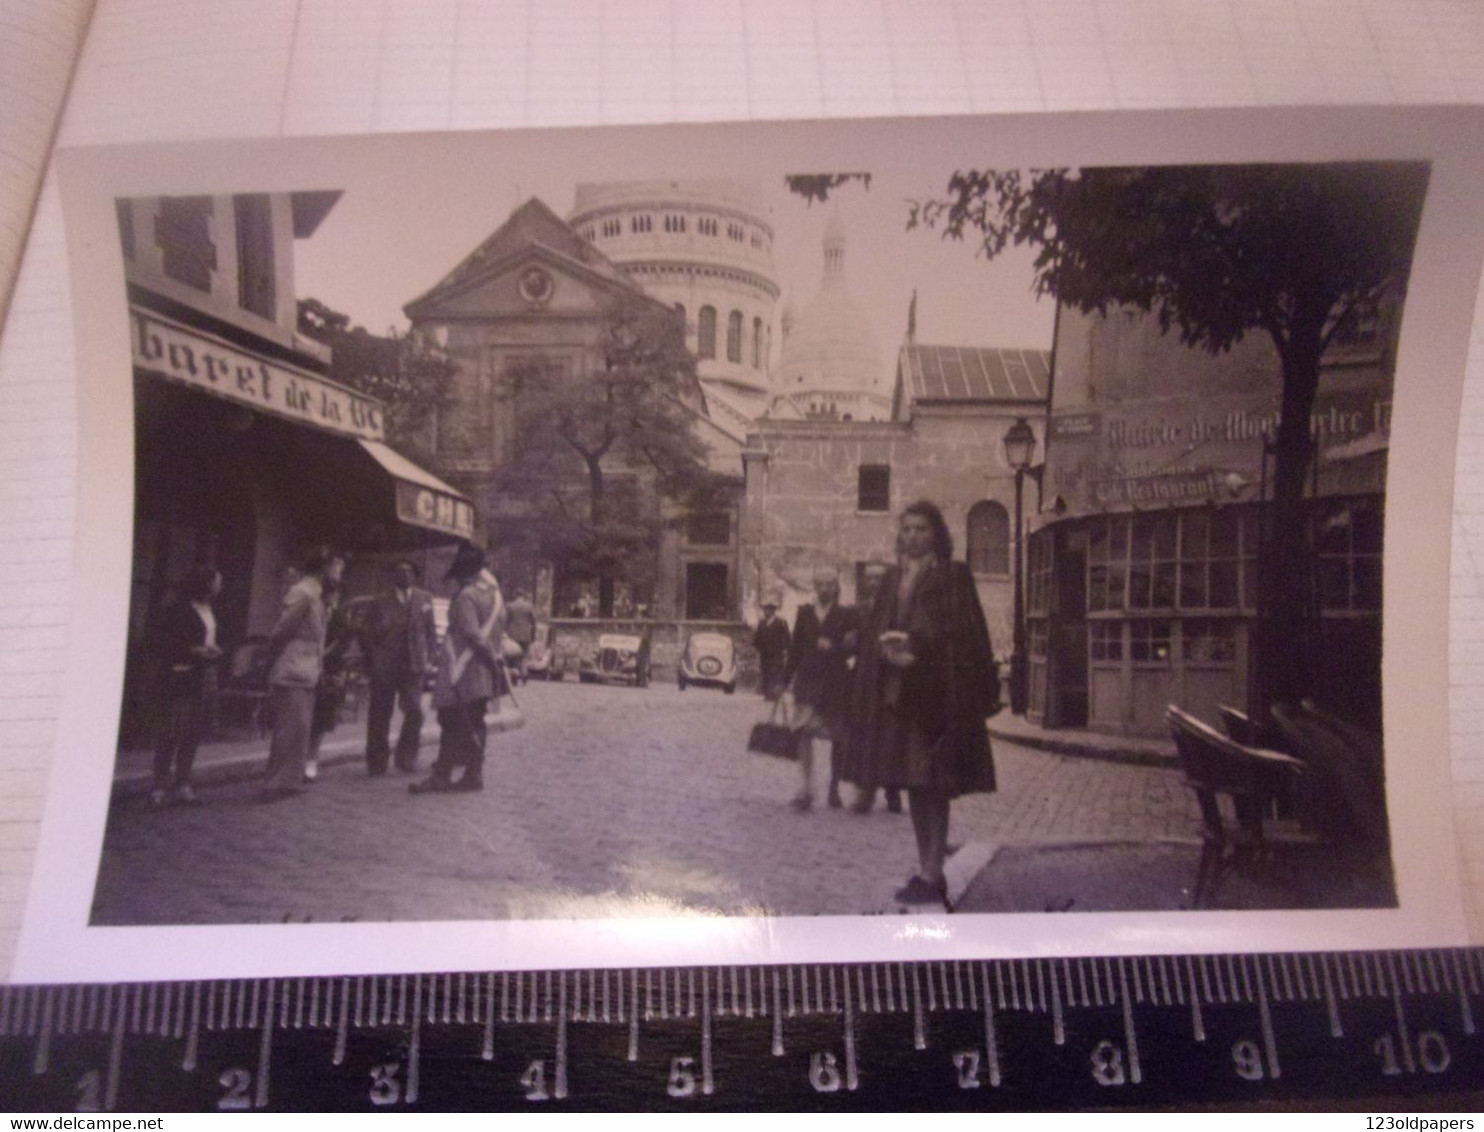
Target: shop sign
[(217, 367), (1180, 487), (1074, 426), (434, 510), (1175, 450)]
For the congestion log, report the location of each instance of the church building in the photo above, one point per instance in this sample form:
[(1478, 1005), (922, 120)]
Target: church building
[(538, 297)]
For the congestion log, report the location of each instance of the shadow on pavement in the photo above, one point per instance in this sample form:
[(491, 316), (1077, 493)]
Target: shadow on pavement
[(1157, 877)]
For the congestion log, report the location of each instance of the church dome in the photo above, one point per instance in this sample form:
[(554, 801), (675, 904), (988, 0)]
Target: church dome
[(831, 363)]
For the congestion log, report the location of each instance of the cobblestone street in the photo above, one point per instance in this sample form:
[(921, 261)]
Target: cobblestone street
[(609, 802)]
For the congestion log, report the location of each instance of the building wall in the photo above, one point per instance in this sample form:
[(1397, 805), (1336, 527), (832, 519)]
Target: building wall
[(801, 510), (222, 300)]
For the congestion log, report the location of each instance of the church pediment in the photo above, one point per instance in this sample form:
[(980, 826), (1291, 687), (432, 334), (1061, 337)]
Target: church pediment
[(532, 282)]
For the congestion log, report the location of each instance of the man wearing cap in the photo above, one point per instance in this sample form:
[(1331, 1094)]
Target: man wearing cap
[(399, 639), (771, 639), (466, 677), (824, 639)]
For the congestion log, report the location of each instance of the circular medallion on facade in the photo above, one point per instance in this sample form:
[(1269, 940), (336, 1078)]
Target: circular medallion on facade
[(536, 286)]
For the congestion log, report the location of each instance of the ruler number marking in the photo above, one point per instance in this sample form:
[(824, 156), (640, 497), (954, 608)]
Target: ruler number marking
[(682, 1081), (237, 1081), (534, 1080), (1432, 1053), (89, 1090), (1107, 1064), (1247, 1060), (385, 1087), (824, 1073), (967, 1063)]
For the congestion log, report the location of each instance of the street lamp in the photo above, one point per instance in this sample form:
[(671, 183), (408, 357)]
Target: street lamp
[(1020, 449)]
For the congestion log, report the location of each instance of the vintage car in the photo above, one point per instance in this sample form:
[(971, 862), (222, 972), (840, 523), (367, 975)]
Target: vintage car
[(709, 659), (617, 658)]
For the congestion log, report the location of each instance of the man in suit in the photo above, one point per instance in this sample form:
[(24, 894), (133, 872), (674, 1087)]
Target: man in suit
[(771, 639), (467, 679), (520, 624), (819, 676), (399, 638)]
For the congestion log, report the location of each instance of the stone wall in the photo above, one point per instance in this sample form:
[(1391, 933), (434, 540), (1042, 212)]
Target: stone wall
[(801, 510)]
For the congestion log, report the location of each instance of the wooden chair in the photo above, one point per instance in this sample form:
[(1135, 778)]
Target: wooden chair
[(1252, 778)]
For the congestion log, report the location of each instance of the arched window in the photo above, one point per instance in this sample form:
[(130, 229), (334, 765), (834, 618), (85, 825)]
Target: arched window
[(734, 336), (757, 343), (706, 333), (989, 538)]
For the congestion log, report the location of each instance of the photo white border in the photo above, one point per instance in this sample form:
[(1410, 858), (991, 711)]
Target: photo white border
[(56, 942)]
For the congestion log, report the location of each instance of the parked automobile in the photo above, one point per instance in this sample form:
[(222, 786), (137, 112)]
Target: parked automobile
[(709, 659), (617, 658)]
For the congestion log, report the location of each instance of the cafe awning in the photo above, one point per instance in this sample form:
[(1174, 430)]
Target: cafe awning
[(422, 499)]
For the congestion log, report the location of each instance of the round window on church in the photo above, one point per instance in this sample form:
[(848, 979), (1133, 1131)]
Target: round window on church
[(536, 286)]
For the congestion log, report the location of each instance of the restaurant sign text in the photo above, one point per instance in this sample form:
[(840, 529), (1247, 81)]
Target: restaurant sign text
[(207, 363)]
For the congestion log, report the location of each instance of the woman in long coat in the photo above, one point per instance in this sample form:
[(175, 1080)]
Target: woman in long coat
[(925, 684)]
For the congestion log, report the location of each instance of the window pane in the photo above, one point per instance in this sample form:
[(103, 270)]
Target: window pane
[(183, 232), (1223, 585), (1116, 586), (1118, 539), (874, 485), (1143, 538), (1097, 588), (1097, 548), (1224, 535), (1140, 586), (1193, 534), (1193, 594), (1164, 586), (1164, 537)]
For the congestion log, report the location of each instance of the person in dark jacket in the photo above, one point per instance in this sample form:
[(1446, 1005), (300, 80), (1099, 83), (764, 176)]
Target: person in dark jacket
[(399, 639), (925, 683), (824, 638), (871, 578), (188, 656), (772, 640)]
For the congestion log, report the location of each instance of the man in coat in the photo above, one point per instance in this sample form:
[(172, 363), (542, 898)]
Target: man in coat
[(819, 676), (772, 639), (520, 624), (466, 677), (399, 638)]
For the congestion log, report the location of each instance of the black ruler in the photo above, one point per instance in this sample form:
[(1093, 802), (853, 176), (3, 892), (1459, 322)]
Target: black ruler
[(1156, 1031)]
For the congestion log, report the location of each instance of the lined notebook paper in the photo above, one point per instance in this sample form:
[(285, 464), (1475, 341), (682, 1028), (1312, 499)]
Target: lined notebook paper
[(176, 69)]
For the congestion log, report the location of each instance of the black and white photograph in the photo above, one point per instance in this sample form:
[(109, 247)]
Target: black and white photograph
[(634, 534)]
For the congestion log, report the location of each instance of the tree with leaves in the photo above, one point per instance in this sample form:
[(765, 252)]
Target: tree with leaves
[(597, 455), (1300, 253), (408, 376)]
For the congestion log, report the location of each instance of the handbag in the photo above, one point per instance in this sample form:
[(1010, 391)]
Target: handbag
[(770, 737)]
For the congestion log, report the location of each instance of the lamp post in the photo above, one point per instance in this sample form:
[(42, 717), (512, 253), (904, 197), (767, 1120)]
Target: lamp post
[(1020, 449)]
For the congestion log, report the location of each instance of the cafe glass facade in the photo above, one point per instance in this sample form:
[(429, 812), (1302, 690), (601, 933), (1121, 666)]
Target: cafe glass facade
[(1142, 562)]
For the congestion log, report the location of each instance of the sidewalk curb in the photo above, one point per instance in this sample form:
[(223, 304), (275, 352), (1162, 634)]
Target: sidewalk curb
[(1131, 754), (347, 748)]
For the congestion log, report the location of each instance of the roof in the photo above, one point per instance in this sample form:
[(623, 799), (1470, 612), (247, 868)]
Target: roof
[(533, 224), (975, 373)]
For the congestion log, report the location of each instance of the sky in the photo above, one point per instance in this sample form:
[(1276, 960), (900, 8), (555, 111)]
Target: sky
[(402, 224)]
